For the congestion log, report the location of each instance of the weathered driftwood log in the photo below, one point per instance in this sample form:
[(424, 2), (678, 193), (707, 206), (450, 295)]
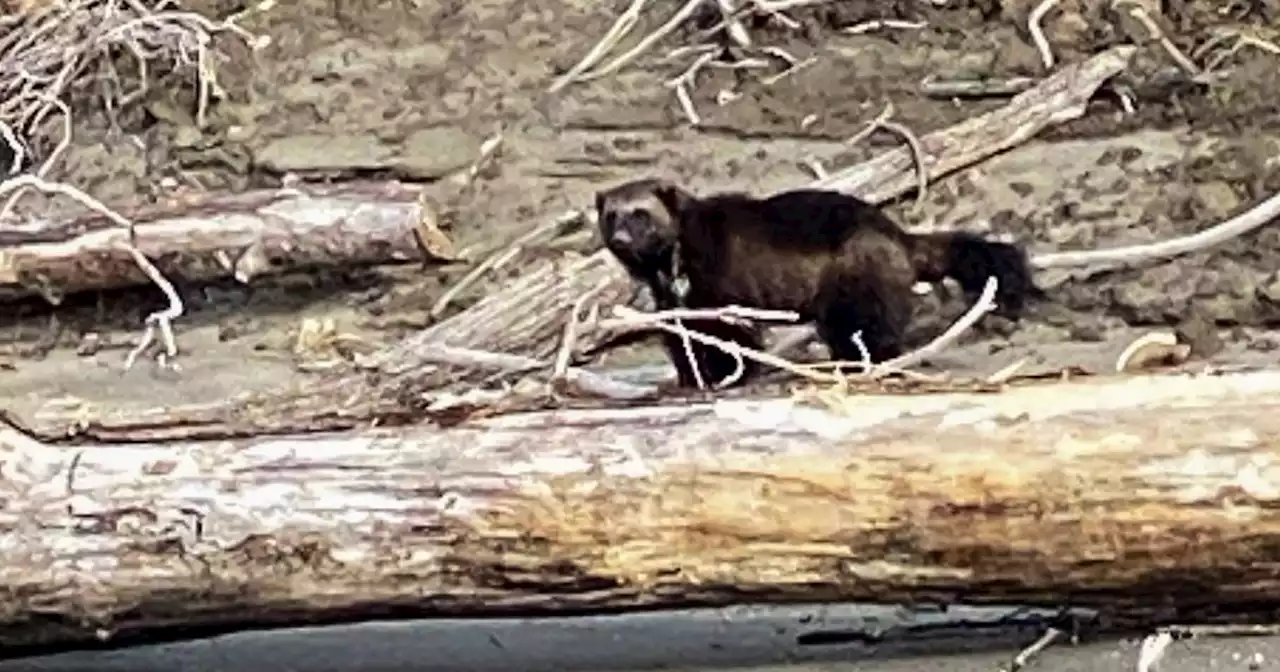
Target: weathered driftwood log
[(1151, 499), (241, 236)]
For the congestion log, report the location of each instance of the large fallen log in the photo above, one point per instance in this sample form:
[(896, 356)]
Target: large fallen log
[(1149, 499), (527, 319), (229, 235)]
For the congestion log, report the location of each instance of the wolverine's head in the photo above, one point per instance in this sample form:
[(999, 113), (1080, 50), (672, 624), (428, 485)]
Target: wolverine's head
[(638, 220)]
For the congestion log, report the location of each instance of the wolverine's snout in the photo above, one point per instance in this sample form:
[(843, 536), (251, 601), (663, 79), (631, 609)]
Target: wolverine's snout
[(621, 236)]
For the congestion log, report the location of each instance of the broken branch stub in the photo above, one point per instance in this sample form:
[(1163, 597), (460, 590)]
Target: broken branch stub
[(1151, 498), (242, 236)]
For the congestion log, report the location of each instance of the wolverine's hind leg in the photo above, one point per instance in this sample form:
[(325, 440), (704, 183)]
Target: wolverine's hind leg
[(715, 365), (878, 312)]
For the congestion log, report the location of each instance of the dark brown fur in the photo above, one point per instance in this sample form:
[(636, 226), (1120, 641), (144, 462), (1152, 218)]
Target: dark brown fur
[(833, 258), (635, 226)]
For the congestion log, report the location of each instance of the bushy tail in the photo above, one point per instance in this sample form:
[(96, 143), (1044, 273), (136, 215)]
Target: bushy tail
[(970, 259)]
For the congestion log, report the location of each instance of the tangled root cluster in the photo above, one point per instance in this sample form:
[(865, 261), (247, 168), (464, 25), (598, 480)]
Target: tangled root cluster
[(52, 49)]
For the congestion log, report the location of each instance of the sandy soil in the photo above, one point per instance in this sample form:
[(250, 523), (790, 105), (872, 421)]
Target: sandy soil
[(411, 90)]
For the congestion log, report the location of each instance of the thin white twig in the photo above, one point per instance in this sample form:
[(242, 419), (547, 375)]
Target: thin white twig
[(16, 147), (43, 171), (623, 25), (632, 319), (561, 368), (161, 320), (1152, 650), (737, 32), (902, 364), (872, 126), (1260, 215), (877, 24), (1037, 647), (918, 157), (686, 345), (687, 10), (1034, 20), (496, 260), (685, 81), (792, 69), (676, 316), (731, 348), (985, 304), (1139, 12), (1242, 41)]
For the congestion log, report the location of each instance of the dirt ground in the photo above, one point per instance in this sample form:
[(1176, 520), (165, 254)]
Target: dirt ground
[(410, 90)]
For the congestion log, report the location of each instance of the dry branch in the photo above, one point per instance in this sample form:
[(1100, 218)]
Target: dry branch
[(1153, 499), (242, 236), (528, 318)]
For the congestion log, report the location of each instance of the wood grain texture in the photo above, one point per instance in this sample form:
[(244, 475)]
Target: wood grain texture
[(1150, 498), (242, 236)]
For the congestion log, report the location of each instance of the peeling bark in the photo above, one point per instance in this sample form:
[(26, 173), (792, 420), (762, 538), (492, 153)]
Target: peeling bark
[(1151, 499), (242, 236)]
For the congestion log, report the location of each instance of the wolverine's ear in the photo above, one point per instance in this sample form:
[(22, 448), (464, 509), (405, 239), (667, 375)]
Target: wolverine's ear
[(672, 197)]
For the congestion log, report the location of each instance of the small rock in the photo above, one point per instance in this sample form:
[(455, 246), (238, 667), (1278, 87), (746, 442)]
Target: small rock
[(1129, 154), (322, 152), (89, 345), (230, 331), (1022, 189), (1199, 332), (1264, 344), (1088, 331), (1217, 199), (188, 137), (1269, 290), (435, 152)]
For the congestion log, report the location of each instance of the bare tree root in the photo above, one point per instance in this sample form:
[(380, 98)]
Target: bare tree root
[(58, 48), (681, 15)]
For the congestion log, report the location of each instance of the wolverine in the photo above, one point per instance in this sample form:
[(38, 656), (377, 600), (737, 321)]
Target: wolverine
[(834, 259), (637, 229)]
